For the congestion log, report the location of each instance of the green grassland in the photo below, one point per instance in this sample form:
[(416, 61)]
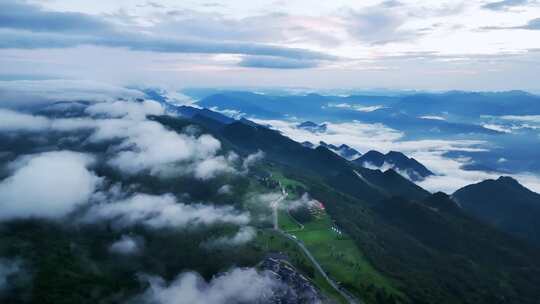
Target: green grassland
[(339, 256)]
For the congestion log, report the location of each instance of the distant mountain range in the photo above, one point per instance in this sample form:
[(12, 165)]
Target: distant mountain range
[(415, 111), (312, 127), (342, 150), (395, 160), (505, 204)]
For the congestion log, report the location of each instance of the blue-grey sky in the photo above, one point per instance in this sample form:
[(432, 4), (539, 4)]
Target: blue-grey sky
[(435, 45)]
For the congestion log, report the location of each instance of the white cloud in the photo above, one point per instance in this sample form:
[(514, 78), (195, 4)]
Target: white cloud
[(497, 128), (364, 137), (432, 117), (147, 145), (358, 135), (48, 185), (529, 118), (163, 212), (387, 166), (302, 202), (131, 110), (450, 176), (356, 107), (126, 245), (16, 121), (228, 112), (225, 189), (211, 167), (24, 93), (430, 152), (251, 159), (236, 286), (144, 144), (242, 236), (266, 199)]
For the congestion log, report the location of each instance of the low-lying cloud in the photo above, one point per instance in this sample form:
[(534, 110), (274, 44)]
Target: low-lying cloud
[(240, 285), (48, 185), (305, 201), (143, 145), (15, 121), (162, 211), (30, 93), (242, 236), (358, 108), (449, 173), (126, 245)]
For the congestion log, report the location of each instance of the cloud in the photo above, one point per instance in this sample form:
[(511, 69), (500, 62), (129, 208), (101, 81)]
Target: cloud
[(430, 152), (228, 112), (387, 166), (359, 135), (240, 285), (225, 189), (533, 25), (126, 245), (48, 185), (524, 118), (450, 175), (358, 108), (266, 199), (26, 26), (142, 145), (147, 145), (379, 25), (271, 62), (370, 136), (211, 167), (15, 121), (28, 93), (303, 202), (162, 211), (504, 4), (252, 159), (21, 15), (497, 128), (432, 117), (274, 27), (242, 236), (8, 267), (131, 110)]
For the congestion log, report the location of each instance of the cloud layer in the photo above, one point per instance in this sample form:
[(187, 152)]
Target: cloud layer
[(27, 26), (26, 93), (126, 245), (49, 185), (449, 173), (162, 211), (236, 286)]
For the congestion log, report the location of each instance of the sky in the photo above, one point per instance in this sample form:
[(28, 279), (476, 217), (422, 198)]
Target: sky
[(426, 45)]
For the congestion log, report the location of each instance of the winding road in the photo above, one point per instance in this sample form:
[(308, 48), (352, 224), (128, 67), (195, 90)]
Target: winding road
[(342, 291)]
